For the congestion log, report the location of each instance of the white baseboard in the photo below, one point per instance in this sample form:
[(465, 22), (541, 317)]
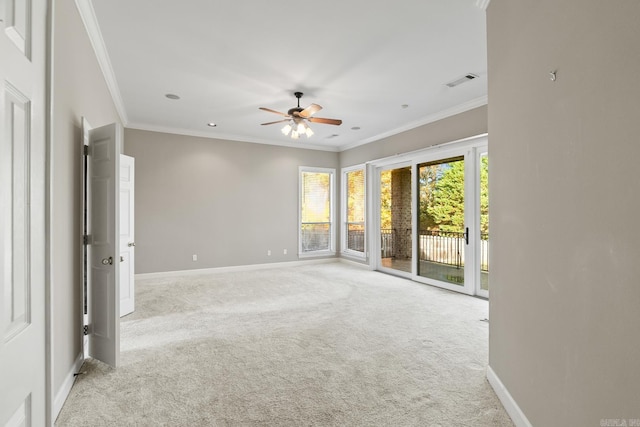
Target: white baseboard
[(236, 268), (64, 390), (355, 262), (510, 405)]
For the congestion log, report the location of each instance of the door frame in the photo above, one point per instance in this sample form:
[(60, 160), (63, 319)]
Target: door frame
[(471, 148), (127, 306), (376, 259), (479, 152)]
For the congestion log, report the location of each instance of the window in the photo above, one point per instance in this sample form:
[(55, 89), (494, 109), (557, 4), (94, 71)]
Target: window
[(353, 211), (317, 229)]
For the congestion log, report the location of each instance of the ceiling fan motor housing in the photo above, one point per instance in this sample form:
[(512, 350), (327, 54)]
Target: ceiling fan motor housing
[(297, 109)]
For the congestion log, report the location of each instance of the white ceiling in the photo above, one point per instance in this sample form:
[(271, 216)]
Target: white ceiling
[(360, 59)]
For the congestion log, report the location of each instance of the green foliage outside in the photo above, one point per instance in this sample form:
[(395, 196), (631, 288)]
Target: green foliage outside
[(355, 199), (441, 192), (484, 195), (385, 200)]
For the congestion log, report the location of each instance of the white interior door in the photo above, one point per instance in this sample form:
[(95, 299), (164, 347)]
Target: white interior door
[(103, 248), (23, 207), (127, 242)]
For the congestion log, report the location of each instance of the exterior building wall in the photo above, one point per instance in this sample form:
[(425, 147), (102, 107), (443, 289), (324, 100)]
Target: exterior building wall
[(401, 211)]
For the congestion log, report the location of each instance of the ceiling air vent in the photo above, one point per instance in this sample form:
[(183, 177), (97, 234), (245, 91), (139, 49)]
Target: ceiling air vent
[(462, 79)]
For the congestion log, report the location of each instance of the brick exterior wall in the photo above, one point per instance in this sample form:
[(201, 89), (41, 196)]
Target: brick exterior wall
[(401, 211)]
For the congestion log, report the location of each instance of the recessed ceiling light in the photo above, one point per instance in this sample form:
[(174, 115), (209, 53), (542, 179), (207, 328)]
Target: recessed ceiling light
[(355, 128), (211, 124), (172, 96)]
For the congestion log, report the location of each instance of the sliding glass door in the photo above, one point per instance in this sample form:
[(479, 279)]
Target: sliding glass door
[(395, 219), (433, 217), (453, 219), (483, 204), (442, 231)]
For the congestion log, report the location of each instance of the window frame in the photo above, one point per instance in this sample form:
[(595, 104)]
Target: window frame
[(344, 225), (331, 251)]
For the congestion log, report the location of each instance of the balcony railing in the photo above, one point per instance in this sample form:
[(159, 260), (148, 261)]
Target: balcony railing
[(387, 243), (355, 236), (315, 236), (443, 247)]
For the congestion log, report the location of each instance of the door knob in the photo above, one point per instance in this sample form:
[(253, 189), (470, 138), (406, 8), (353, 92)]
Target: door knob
[(131, 244), (107, 261)]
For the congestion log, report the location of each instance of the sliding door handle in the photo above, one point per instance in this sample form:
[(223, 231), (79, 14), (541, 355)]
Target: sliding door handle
[(466, 235)]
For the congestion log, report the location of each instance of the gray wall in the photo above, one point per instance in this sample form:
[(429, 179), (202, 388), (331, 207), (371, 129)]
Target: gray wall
[(78, 90), (565, 287), (226, 201), (463, 125)]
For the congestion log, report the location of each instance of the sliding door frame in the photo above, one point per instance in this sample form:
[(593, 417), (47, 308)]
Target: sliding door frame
[(375, 259), (471, 148)]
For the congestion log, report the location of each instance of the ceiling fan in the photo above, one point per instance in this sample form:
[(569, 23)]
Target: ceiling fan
[(297, 117)]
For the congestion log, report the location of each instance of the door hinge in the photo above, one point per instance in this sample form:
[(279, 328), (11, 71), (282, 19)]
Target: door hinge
[(86, 239), (85, 329), (85, 150)]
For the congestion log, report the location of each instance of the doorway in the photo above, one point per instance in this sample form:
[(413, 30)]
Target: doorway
[(433, 216), (395, 219)]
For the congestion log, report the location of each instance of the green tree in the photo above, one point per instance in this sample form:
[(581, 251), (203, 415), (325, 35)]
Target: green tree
[(427, 177), (441, 196), (447, 206), (484, 194), (385, 200)]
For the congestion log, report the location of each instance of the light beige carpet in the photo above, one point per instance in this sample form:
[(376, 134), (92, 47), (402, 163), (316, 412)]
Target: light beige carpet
[(320, 345)]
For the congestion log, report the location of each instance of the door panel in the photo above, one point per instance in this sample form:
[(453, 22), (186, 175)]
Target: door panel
[(104, 266), (127, 242), (395, 254), (436, 202), (441, 221), (483, 226), (22, 212)]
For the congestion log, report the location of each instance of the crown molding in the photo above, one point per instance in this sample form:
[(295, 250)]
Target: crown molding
[(229, 137), (461, 108), (88, 16)]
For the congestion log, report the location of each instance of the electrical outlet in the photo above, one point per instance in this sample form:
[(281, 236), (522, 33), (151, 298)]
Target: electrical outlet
[(285, 251), (194, 257), (269, 252)]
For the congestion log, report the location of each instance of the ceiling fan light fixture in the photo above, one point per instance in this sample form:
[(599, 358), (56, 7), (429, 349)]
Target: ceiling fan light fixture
[(309, 132), (297, 119)]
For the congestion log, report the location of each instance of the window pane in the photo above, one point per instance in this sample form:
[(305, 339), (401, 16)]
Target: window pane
[(315, 211), (316, 189), (442, 241), (355, 210), (316, 237)]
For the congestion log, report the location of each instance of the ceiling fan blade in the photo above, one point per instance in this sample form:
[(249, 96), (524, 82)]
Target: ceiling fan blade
[(325, 121), (310, 110), (273, 123), (273, 111)]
